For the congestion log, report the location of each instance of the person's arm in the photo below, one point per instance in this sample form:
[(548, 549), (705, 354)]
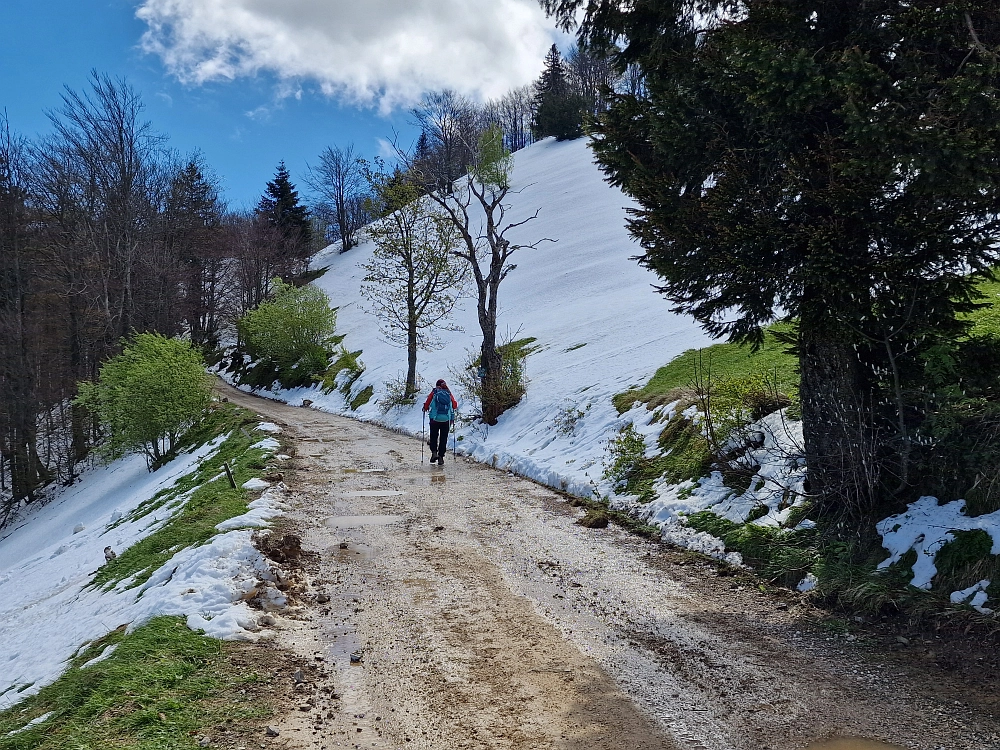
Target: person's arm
[(427, 403), (454, 403)]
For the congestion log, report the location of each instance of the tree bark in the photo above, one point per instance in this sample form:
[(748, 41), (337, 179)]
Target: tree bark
[(837, 424)]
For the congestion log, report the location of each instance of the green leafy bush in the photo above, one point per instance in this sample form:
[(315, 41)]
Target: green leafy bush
[(289, 337), (146, 397), (625, 451)]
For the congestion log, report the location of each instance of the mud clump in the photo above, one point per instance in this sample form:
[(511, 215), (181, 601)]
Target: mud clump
[(285, 550), (595, 518)]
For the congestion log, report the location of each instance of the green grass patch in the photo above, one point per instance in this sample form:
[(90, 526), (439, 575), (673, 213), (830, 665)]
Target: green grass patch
[(684, 455), (719, 362), (965, 560), (161, 688), (779, 555), (209, 497), (363, 397), (345, 361), (519, 348)]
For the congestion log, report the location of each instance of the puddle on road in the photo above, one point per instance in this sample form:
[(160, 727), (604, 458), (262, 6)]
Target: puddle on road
[(353, 554), (851, 743), (356, 522), (426, 481), (373, 493)]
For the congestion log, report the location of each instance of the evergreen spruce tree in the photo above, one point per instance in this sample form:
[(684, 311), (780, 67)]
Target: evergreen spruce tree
[(558, 109), (281, 209), (834, 162)]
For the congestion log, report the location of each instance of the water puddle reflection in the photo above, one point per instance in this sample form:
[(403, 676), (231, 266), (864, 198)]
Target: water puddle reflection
[(357, 522), (851, 743), (426, 480), (353, 553)]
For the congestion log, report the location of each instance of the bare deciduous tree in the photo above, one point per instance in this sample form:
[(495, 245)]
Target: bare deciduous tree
[(339, 182), (478, 206)]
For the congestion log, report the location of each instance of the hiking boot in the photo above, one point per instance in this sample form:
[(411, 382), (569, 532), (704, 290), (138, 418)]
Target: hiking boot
[(440, 460), (434, 457)]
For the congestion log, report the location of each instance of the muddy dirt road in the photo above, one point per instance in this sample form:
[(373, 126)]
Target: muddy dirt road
[(468, 610)]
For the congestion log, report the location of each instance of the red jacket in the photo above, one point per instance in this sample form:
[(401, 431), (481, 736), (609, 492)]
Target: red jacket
[(427, 403)]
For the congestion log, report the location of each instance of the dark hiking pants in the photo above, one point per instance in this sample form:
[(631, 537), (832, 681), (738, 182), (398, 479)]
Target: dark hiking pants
[(439, 438)]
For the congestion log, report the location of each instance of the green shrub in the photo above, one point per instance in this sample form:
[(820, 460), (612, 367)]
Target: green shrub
[(964, 560), (513, 381), (624, 452), (289, 337), (147, 396), (396, 396)]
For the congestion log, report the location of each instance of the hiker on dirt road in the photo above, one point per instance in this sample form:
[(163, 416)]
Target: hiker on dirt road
[(441, 405)]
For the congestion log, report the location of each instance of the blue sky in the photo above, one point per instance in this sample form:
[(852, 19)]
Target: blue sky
[(248, 86)]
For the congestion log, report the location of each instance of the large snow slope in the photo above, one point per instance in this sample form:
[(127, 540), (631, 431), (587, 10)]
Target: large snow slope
[(600, 324)]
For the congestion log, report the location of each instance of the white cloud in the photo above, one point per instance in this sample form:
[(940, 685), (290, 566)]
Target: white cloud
[(389, 51)]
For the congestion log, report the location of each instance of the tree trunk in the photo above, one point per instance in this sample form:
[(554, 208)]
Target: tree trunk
[(837, 425), (411, 356), (490, 362)]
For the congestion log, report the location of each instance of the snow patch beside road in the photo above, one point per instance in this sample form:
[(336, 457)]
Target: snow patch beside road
[(46, 568)]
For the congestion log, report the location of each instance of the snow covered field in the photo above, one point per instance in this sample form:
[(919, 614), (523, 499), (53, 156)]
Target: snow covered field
[(48, 610), (600, 325)]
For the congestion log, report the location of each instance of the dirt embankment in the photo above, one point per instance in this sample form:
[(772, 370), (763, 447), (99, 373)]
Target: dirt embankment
[(462, 607)]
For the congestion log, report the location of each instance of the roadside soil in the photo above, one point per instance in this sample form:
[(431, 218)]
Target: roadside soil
[(463, 607)]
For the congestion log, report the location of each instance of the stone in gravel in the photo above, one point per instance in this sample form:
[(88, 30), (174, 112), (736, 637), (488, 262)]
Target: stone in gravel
[(267, 621), (356, 657), (271, 732), (322, 598), (297, 676), (204, 742), (343, 545)]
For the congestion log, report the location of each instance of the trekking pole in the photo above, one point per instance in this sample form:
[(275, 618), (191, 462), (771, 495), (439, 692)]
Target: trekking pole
[(454, 440), (423, 420)]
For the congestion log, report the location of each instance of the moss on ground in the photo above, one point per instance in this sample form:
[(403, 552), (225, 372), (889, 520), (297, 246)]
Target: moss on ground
[(161, 688)]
